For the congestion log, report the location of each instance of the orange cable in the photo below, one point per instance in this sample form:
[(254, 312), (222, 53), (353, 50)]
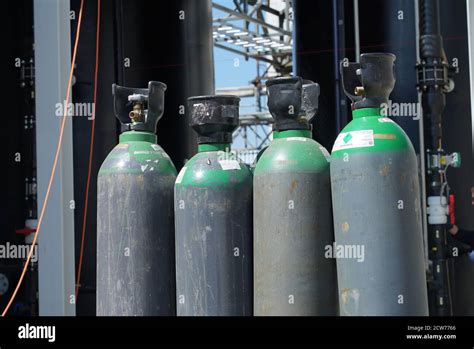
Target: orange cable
[(53, 170), (91, 150)]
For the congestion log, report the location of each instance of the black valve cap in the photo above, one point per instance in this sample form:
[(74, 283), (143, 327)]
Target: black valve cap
[(214, 118), (310, 104), (374, 74), (293, 102), (153, 99)]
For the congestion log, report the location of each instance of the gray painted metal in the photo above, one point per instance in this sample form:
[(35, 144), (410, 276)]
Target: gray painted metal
[(376, 206), (56, 267), (214, 243), (135, 240), (292, 275)]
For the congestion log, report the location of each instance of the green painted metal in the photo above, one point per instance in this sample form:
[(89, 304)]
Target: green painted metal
[(293, 150), (387, 135), (365, 112), (213, 147), (191, 176), (291, 133), (140, 147), (137, 136)]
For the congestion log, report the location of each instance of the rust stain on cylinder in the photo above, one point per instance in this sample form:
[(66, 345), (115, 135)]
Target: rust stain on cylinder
[(384, 170), (294, 184), (345, 295)]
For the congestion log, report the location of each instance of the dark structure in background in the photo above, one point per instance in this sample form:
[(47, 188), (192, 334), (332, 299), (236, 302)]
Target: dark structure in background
[(324, 43), (18, 198), (457, 136), (106, 132), (319, 47), (393, 30)]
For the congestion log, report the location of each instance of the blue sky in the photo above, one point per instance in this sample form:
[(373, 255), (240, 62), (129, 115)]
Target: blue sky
[(233, 70), (226, 73)]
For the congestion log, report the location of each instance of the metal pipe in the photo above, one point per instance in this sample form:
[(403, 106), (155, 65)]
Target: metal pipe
[(356, 30), (424, 220), (433, 75)]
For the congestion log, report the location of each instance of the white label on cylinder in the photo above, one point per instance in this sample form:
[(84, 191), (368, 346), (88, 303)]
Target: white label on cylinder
[(180, 176), (229, 164), (354, 139), (299, 139), (155, 147)]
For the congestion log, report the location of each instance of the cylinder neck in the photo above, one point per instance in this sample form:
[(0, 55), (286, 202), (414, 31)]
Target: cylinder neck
[(292, 133), (137, 136), (213, 147), (366, 112)]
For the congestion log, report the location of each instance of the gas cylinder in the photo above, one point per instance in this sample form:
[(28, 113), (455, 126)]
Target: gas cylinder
[(376, 201), (213, 210), (135, 221), (292, 210)]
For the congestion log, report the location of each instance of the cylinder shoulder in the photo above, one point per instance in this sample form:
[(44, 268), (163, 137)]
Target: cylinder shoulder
[(293, 154), (371, 134), (137, 157), (214, 168)]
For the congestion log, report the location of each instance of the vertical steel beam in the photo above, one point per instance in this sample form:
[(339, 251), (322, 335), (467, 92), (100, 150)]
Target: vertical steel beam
[(56, 239)]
